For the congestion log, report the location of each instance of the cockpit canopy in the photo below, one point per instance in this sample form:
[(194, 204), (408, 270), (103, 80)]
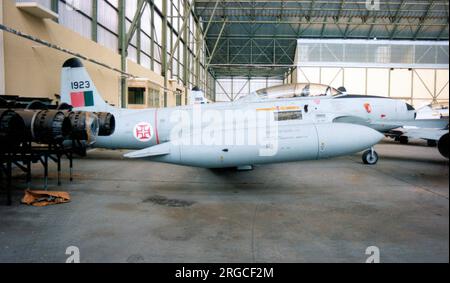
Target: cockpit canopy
[(439, 106), (297, 90)]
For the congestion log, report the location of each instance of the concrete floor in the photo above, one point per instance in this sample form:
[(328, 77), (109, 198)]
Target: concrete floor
[(318, 211)]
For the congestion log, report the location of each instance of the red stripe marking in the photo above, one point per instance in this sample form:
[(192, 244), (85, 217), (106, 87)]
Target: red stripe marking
[(156, 126), (77, 99)]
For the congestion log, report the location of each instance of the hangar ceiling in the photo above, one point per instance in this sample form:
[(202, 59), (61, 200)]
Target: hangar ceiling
[(257, 38)]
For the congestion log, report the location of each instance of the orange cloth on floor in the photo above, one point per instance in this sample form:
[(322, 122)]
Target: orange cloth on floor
[(45, 198)]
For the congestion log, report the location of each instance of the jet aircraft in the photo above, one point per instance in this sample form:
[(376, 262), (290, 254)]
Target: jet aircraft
[(301, 122)]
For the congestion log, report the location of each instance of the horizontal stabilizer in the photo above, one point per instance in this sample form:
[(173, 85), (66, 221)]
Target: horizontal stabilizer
[(157, 150), (429, 124)]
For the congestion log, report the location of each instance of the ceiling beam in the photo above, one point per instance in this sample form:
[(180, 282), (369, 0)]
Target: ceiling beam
[(216, 44), (273, 22), (311, 9), (423, 18), (396, 19), (340, 10), (258, 32), (134, 24)]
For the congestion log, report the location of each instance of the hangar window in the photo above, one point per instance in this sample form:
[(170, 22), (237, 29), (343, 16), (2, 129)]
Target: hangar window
[(153, 98), (136, 95), (288, 115), (179, 97)]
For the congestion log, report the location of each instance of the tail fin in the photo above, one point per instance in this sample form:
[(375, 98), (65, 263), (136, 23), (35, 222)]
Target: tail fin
[(78, 89), (197, 97)]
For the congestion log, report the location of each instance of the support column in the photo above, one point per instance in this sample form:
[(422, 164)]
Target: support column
[(435, 87), (94, 20), (152, 37), (123, 52), (164, 66), (138, 42), (412, 86), (186, 52), (197, 57)]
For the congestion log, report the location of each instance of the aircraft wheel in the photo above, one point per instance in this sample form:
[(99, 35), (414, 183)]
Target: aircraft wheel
[(431, 143), (370, 157), (403, 140)]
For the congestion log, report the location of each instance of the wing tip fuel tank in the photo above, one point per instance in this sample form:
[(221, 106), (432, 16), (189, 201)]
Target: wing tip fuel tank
[(342, 139)]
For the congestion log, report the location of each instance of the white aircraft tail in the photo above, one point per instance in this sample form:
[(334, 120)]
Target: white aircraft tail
[(197, 97), (78, 89)]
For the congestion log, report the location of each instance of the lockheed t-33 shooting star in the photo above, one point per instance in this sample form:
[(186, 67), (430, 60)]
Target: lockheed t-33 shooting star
[(300, 122)]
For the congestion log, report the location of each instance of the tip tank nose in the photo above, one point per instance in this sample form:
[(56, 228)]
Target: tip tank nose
[(341, 139), (368, 136)]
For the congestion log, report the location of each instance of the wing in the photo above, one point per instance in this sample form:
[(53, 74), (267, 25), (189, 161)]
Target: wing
[(427, 124), (157, 150), (393, 124), (426, 134), (382, 126)]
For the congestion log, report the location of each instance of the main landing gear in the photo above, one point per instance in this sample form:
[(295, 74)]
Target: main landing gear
[(370, 157), (403, 140)]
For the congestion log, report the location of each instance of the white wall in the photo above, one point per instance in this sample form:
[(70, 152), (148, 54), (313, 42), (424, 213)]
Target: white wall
[(417, 86), (372, 53), (415, 71)]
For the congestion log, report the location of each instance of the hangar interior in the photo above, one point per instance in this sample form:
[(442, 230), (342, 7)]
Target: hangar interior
[(152, 53), (161, 47), (229, 48)]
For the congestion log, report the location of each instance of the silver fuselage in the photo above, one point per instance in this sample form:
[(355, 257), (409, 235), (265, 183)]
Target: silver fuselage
[(371, 112), (287, 125)]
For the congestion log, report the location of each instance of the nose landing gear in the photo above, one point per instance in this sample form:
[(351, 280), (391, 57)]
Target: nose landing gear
[(370, 157)]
